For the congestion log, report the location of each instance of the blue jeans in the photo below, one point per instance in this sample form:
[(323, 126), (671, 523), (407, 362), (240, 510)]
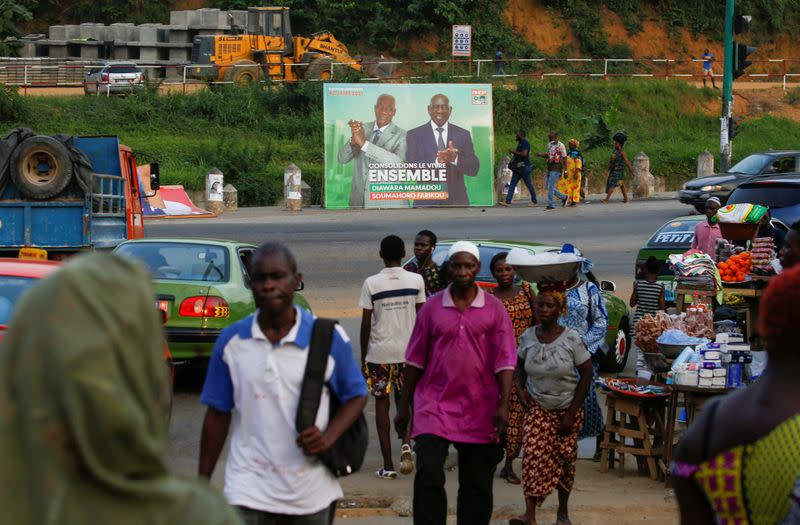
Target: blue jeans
[(525, 175), (552, 190)]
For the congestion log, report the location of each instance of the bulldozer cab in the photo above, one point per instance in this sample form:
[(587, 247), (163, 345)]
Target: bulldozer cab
[(271, 22)]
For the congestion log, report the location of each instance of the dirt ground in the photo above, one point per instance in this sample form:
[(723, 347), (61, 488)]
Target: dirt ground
[(598, 498)]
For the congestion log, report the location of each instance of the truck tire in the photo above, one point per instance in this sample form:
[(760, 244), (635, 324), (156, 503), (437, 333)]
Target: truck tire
[(41, 167), (320, 69), (243, 73)]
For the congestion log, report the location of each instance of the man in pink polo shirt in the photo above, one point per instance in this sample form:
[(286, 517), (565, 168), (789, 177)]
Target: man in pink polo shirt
[(460, 359), (707, 232)]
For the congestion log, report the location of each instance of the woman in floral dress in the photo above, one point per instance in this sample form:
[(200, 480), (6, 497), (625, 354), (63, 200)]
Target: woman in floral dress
[(518, 300)]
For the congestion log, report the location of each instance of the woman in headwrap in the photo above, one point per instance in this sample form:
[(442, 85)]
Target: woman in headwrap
[(740, 460), (553, 395), (83, 400), (587, 315), (616, 168), (518, 300), (570, 183)]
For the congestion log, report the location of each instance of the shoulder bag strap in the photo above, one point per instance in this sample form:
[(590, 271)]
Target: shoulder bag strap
[(314, 376)]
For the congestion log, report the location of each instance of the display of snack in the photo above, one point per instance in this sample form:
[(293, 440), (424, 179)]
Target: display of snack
[(735, 268), (762, 254)]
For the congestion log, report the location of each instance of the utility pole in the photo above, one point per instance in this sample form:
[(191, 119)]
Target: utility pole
[(727, 90)]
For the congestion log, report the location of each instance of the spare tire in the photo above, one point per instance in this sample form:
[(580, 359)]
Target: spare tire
[(41, 167)]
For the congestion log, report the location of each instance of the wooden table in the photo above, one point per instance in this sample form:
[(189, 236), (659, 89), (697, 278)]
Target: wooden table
[(751, 293), (693, 398), (638, 418)]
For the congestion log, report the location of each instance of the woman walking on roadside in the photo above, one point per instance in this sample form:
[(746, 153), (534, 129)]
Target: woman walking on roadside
[(587, 315), (553, 395), (519, 302), (616, 168), (570, 183)]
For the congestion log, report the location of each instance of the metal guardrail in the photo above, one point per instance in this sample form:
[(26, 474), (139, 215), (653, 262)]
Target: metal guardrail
[(73, 74)]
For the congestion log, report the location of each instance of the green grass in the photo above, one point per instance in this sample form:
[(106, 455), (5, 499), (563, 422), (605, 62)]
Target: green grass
[(251, 134)]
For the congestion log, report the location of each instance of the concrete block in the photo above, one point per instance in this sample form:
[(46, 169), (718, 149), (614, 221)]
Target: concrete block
[(121, 32), (179, 55), (179, 18), (58, 33), (210, 17), (239, 18), (57, 49), (179, 35), (148, 34), (148, 54), (90, 52), (121, 51), (91, 31), (72, 32), (27, 49)]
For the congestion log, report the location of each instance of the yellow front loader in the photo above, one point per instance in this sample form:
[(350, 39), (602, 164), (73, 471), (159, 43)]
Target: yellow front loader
[(267, 50)]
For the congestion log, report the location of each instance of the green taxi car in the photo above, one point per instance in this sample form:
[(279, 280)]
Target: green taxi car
[(675, 236), (201, 287), (618, 336)]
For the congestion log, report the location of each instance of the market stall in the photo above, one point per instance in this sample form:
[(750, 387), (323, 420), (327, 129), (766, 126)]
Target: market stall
[(709, 346)]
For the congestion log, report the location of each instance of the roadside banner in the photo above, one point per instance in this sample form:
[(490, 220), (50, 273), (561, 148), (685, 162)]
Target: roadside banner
[(168, 201), (408, 145)]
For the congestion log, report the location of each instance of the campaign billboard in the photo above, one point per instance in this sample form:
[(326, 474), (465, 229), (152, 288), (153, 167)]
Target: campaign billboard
[(408, 145)]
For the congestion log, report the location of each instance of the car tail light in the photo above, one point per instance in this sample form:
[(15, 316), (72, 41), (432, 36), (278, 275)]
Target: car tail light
[(199, 306)]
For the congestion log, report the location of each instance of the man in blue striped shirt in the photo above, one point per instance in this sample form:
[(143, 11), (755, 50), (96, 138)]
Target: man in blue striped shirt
[(390, 300)]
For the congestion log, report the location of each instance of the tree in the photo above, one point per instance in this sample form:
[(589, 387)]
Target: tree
[(11, 12)]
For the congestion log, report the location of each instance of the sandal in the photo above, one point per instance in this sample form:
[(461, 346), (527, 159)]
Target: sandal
[(386, 474), (511, 477), (406, 460)]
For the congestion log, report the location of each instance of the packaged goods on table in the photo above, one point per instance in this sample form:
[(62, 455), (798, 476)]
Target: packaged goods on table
[(724, 363), (762, 255)]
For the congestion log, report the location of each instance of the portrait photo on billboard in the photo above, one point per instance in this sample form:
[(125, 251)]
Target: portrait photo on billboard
[(408, 145)]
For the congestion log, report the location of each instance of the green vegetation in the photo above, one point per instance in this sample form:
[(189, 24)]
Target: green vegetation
[(251, 134), (12, 12)]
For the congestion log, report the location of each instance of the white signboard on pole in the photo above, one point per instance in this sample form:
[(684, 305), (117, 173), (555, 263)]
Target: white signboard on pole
[(462, 41)]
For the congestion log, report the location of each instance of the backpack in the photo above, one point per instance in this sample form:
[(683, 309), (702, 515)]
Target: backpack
[(346, 455), (554, 154)]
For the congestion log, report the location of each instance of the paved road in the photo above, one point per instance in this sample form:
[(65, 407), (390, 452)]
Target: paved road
[(336, 250)]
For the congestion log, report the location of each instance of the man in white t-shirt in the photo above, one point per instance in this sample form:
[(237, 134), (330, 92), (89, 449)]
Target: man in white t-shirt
[(253, 384), (390, 300)]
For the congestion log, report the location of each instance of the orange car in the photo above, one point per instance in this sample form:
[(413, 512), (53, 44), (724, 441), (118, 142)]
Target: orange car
[(17, 275)]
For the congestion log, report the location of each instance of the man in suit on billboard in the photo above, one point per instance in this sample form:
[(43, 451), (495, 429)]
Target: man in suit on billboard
[(442, 142), (376, 142)]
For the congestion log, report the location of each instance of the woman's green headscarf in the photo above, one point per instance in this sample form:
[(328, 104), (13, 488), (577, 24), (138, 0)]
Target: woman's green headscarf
[(83, 394)]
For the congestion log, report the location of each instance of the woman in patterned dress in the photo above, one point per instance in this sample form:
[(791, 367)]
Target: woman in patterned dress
[(587, 315), (518, 300), (570, 183), (553, 395)]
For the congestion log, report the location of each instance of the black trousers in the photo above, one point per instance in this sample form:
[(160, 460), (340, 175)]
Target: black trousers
[(476, 467)]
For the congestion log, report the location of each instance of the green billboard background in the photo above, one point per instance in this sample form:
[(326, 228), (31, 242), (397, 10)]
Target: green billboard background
[(345, 102)]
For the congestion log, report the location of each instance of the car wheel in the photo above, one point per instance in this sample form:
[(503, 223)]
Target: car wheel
[(617, 357)]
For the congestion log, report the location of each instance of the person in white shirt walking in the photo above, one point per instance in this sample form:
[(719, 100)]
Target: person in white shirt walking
[(390, 300), (254, 380)]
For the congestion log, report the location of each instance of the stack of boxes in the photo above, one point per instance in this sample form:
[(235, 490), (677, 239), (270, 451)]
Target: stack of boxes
[(721, 364), (146, 44)]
